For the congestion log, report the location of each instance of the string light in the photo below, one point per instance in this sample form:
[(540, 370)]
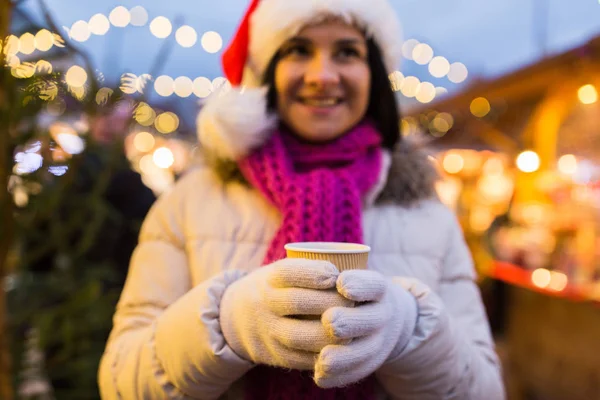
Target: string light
[(161, 27), (120, 17), (139, 16), (528, 161), (99, 24), (186, 36), (211, 42)]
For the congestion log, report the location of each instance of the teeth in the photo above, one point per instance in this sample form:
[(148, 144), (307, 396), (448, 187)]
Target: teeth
[(321, 102)]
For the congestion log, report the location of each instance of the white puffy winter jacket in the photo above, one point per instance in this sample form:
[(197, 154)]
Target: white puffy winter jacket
[(206, 233)]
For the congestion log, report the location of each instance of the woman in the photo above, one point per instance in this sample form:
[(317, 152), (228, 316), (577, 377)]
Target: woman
[(303, 152)]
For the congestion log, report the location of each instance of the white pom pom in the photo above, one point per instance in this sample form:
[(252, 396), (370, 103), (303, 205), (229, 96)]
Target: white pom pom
[(233, 122)]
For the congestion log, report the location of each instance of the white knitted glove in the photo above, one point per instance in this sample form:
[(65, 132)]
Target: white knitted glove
[(379, 327), (256, 312)]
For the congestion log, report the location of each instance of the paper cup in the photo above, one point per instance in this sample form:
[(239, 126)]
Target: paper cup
[(343, 255)]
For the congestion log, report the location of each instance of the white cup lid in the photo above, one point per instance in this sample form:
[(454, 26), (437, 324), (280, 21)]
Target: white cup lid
[(328, 247)]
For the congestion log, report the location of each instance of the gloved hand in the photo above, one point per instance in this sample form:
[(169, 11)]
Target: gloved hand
[(257, 312), (379, 326)]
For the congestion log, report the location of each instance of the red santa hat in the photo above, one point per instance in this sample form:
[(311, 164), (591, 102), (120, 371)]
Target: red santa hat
[(235, 121)]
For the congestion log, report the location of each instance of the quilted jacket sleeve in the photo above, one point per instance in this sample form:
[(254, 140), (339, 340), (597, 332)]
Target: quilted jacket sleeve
[(166, 341), (451, 354)]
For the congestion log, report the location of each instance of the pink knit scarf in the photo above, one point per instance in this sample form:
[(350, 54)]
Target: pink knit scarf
[(318, 188)]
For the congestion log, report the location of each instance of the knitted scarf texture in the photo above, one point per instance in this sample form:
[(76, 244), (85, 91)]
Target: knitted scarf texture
[(319, 190)]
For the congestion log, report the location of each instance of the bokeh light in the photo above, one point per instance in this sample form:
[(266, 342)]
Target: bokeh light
[(166, 123), (439, 67), (426, 92), (44, 40), (183, 86), (408, 47), (396, 79), (587, 94), (144, 114), (161, 27), (211, 42), (422, 53), (480, 107), (163, 85), (120, 17), (76, 76), (144, 142), (27, 43), (567, 164), (202, 87), (99, 24), (458, 72), (163, 157), (80, 31), (453, 163), (186, 36), (410, 86), (139, 16), (528, 161)]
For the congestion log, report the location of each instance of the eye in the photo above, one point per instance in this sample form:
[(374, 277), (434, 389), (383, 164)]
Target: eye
[(349, 52), (297, 50)]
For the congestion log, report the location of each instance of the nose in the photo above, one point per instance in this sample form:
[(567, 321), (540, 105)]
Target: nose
[(321, 71)]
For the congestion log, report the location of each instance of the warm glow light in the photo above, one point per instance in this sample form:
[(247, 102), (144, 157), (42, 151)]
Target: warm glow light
[(442, 122), (161, 27), (70, 143), (558, 281), (396, 79), (528, 161), (493, 166), (144, 114), (80, 31), (422, 53), (43, 67), (27, 45), (99, 24), (458, 73), (541, 277), (139, 16), (186, 36), (425, 92), (163, 157), (453, 163), (128, 83), (202, 87), (587, 94), (164, 85), (76, 76), (44, 40), (141, 81), (408, 47), (120, 17), (211, 42), (166, 122), (439, 67), (183, 86), (103, 96), (480, 107), (410, 85), (144, 142), (567, 164), (11, 46)]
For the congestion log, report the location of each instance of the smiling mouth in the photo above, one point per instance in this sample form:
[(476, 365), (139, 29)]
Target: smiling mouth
[(320, 102)]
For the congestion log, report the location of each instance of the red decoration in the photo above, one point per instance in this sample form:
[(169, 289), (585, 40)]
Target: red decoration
[(235, 56)]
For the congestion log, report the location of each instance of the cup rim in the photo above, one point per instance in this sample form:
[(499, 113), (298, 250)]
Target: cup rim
[(328, 247)]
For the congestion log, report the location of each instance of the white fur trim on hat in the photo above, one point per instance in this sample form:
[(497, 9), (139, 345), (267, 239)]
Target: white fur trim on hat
[(275, 21), (233, 122)]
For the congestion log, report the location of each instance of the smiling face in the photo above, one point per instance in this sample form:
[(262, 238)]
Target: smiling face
[(323, 81)]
